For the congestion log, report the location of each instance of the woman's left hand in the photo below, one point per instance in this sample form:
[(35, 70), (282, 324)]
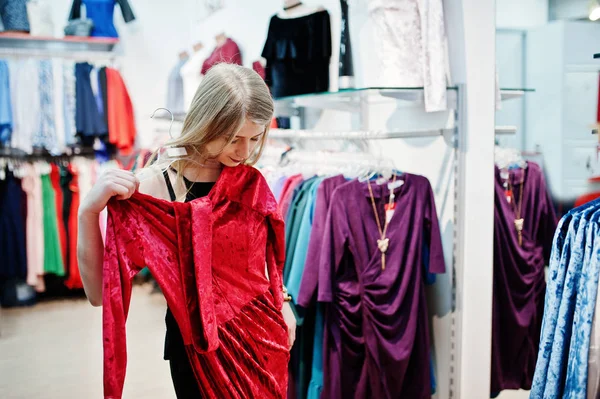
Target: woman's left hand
[(290, 321)]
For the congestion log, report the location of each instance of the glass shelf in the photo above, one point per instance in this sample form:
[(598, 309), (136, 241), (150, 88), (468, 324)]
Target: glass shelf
[(511, 93), (21, 44), (352, 99)]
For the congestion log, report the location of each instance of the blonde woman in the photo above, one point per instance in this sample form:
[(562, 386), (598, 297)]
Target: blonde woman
[(224, 133)]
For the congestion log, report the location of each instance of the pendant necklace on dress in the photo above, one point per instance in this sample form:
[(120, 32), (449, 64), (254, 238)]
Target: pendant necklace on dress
[(519, 221), (383, 242)]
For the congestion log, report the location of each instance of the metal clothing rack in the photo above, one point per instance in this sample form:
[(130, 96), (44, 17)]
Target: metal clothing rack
[(20, 155), (353, 135), (370, 134)]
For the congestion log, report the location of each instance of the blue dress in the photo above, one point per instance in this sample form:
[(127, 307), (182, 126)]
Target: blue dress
[(6, 119), (101, 13), (562, 366)]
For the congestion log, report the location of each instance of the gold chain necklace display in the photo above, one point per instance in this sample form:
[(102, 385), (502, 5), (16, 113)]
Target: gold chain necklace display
[(383, 242), (519, 221)]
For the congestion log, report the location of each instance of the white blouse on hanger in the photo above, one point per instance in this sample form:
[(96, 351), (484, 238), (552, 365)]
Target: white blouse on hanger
[(411, 40), (25, 96), (190, 73)]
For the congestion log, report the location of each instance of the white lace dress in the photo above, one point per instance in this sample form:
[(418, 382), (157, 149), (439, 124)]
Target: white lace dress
[(411, 40)]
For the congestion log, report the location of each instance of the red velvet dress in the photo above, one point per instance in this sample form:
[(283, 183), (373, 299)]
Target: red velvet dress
[(208, 256)]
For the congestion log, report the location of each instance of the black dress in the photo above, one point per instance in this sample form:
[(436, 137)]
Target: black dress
[(298, 51), (182, 374)]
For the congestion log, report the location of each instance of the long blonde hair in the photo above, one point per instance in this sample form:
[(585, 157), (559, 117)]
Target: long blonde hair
[(227, 97)]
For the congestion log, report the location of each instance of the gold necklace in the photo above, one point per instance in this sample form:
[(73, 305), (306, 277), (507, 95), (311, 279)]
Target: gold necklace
[(383, 242), (519, 221)]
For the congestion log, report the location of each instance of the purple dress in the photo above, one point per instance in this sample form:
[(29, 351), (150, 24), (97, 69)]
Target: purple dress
[(519, 283), (376, 329)]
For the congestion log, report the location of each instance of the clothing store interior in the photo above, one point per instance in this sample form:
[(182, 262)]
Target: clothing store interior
[(423, 197)]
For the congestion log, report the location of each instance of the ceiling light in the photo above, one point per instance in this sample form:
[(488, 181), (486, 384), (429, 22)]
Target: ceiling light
[(594, 10)]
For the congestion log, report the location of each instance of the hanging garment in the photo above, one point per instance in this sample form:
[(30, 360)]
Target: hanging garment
[(288, 193), (298, 51), (519, 277), (58, 107), (277, 186), (228, 53), (74, 280), (53, 260), (307, 294), (259, 69), (411, 40), (39, 14), (208, 256), (102, 81), (14, 15), (175, 94), (44, 136), (562, 365), (301, 199), (121, 123), (32, 186), (64, 181), (12, 229), (58, 196), (25, 95), (191, 76), (299, 219), (90, 123), (593, 382), (101, 12), (377, 330), (6, 118), (69, 102)]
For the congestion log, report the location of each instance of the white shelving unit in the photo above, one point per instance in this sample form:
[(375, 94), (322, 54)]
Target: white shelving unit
[(71, 47)]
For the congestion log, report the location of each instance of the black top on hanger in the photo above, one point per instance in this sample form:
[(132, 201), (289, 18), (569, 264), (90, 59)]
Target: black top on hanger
[(292, 6)]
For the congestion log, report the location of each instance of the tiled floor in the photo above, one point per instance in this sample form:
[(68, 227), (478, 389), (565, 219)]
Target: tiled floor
[(54, 350)]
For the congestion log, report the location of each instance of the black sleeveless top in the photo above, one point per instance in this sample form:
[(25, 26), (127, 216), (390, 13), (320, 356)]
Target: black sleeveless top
[(174, 347)]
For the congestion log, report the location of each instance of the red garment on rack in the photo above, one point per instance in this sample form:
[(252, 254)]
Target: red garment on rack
[(121, 122), (58, 196), (74, 280), (228, 53), (208, 256)]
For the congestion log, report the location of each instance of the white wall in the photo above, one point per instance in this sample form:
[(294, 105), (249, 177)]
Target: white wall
[(521, 14), (569, 9)]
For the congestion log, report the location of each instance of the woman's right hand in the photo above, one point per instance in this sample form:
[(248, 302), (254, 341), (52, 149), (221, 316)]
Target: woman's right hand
[(111, 183)]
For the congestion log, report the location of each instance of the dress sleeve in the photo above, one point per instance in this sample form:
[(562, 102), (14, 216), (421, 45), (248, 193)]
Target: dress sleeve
[(434, 253), (310, 277), (268, 49), (75, 10), (276, 256), (122, 259), (126, 10), (327, 47), (333, 247)]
